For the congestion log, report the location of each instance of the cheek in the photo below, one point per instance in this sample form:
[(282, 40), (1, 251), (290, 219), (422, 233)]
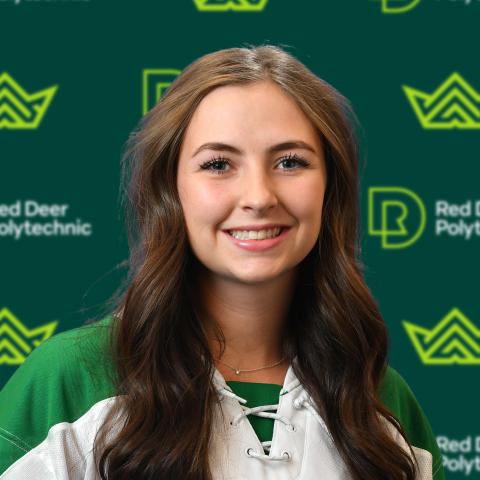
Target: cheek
[(204, 204), (307, 202)]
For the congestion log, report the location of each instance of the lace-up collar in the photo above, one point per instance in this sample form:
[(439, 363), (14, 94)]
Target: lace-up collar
[(291, 385)]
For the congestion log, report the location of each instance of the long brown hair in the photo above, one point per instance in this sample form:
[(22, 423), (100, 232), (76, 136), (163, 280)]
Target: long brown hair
[(158, 345)]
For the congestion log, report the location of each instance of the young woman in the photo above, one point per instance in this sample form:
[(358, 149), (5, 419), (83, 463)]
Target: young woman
[(246, 344)]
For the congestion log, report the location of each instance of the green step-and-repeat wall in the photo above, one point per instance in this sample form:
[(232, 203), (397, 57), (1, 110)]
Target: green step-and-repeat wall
[(77, 75)]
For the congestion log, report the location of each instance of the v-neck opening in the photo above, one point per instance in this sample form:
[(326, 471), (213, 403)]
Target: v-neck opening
[(258, 394)]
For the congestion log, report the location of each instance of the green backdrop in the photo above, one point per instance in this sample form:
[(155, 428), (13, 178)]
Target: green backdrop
[(76, 76)]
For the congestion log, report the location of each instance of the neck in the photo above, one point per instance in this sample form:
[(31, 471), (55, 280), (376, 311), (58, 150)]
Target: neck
[(252, 319)]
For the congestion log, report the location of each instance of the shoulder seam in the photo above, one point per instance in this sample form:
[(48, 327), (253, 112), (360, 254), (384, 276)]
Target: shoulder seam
[(439, 465), (12, 442)]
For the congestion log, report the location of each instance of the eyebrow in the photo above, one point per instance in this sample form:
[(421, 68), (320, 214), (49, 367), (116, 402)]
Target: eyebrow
[(290, 144)]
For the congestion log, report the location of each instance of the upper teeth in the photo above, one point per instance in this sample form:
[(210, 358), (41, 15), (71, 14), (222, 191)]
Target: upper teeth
[(255, 234)]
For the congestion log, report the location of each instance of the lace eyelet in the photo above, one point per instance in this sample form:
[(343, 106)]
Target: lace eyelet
[(232, 424), (247, 451), (286, 454), (291, 427), (297, 404)]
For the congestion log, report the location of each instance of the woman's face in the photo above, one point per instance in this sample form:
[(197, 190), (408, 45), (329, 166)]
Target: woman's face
[(253, 181)]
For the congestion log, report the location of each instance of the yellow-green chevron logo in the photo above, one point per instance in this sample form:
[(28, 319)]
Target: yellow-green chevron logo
[(155, 82), (17, 341), (454, 340), (235, 5), (455, 104), (20, 110), (398, 6)]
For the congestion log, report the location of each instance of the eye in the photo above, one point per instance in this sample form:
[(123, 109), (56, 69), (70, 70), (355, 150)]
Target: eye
[(215, 164), (294, 158), (215, 161)]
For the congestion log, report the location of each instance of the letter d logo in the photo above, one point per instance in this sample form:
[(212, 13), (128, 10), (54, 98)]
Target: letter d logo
[(395, 214), (398, 6)]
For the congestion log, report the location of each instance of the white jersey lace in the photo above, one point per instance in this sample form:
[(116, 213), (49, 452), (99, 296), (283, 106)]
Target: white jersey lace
[(302, 401)]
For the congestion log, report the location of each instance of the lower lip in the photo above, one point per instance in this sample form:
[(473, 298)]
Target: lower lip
[(258, 245)]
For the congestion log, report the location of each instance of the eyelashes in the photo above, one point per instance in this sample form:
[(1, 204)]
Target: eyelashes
[(219, 160)]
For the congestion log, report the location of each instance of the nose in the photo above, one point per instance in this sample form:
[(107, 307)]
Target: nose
[(258, 191)]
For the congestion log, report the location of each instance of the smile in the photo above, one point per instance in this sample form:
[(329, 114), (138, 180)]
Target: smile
[(256, 234), (252, 240)]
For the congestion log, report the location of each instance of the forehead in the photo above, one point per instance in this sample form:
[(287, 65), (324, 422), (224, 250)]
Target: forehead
[(259, 113)]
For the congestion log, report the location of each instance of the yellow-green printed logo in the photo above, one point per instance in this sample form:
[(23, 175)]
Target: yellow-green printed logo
[(17, 341), (226, 5), (155, 82), (397, 215), (20, 110), (397, 6), (454, 104), (455, 340)]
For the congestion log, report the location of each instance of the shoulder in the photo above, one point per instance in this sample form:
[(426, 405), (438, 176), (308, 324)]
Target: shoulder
[(398, 397), (78, 359), (59, 382), (70, 345), (394, 390)]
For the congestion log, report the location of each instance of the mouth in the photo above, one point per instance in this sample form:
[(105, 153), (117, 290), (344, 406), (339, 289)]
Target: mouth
[(257, 234), (245, 242)]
